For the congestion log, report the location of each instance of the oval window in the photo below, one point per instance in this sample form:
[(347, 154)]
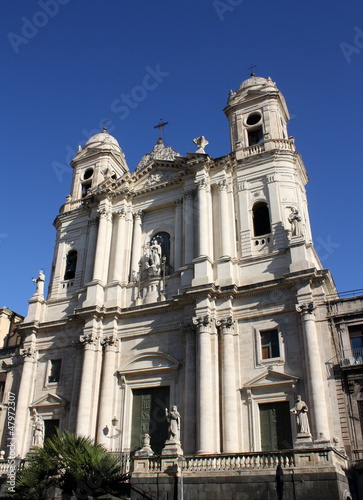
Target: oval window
[(253, 119)]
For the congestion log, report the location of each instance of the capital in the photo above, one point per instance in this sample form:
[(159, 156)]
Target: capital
[(225, 323), (105, 213), (202, 321), (138, 215), (110, 340), (306, 308), (201, 183), (121, 214), (28, 353), (222, 185), (88, 339)]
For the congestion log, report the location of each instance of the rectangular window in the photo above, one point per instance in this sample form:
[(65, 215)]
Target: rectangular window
[(50, 427), (54, 371), (2, 386), (356, 342), (270, 344)]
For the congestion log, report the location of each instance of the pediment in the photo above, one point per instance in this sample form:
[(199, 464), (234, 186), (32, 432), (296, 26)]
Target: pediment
[(271, 378), (156, 175), (150, 362), (50, 400)]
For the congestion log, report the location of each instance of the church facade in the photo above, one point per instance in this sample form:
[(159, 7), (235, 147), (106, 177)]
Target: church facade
[(192, 281)]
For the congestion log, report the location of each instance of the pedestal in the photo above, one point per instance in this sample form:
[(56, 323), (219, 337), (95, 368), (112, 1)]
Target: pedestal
[(172, 448)]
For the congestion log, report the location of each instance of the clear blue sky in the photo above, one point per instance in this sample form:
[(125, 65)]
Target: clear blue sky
[(65, 65)]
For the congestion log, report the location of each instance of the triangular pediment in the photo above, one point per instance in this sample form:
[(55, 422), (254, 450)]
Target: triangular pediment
[(271, 378), (156, 175), (50, 400)]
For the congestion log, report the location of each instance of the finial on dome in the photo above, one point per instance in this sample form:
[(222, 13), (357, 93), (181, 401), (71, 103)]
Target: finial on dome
[(251, 70)]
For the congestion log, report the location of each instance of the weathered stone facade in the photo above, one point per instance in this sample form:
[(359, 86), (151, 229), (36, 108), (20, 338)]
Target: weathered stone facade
[(192, 281)]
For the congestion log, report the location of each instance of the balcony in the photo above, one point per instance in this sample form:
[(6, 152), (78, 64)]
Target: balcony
[(351, 357), (268, 145)]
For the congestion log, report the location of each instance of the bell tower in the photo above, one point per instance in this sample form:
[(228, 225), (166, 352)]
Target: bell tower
[(256, 112), (270, 179)]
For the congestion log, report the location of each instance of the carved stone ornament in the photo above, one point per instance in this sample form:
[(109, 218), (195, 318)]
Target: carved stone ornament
[(307, 308), (88, 338), (28, 352), (160, 152), (104, 213), (157, 177), (110, 340), (201, 142), (225, 322), (201, 321)]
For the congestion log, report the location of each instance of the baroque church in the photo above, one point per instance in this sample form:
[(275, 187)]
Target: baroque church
[(193, 282)]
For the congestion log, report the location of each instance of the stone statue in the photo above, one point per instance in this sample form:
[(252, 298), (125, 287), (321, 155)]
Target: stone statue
[(155, 253), (38, 429), (300, 410), (294, 219), (39, 283), (201, 142), (173, 419)]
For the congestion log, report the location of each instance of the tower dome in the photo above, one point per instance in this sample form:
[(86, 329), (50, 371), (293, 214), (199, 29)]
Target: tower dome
[(102, 140)]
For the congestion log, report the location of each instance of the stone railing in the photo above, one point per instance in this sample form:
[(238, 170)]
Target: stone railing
[(236, 463), (268, 145)]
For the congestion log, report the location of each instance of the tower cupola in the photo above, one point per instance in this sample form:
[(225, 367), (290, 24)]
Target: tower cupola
[(256, 112)]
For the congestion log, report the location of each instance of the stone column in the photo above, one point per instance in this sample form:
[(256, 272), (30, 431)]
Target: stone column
[(103, 245), (188, 227), (105, 414), (136, 243), (90, 343), (225, 221), (178, 241), (228, 396), (118, 269), (317, 407), (204, 386), (91, 249), (203, 219), (23, 398), (189, 388)]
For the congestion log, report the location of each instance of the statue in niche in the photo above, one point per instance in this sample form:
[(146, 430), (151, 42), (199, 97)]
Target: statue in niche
[(155, 253), (300, 410), (173, 419), (294, 219), (38, 429)]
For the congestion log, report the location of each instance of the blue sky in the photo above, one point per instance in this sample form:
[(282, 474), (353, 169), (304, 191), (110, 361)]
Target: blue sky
[(66, 64)]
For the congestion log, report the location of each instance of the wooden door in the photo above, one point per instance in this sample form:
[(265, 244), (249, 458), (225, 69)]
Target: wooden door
[(275, 426), (148, 417)]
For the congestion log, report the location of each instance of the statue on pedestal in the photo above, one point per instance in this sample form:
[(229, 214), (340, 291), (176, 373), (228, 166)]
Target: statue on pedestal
[(172, 445), (173, 419), (294, 218), (300, 410)]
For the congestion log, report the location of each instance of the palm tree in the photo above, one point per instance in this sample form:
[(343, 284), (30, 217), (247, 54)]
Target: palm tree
[(73, 464)]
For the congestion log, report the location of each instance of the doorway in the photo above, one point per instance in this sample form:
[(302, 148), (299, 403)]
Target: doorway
[(148, 417), (275, 426)]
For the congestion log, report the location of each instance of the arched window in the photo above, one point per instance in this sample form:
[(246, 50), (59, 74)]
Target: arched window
[(261, 219), (71, 264)]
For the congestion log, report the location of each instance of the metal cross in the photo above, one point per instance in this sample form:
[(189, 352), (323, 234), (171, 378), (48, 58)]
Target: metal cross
[(160, 126), (251, 68)]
